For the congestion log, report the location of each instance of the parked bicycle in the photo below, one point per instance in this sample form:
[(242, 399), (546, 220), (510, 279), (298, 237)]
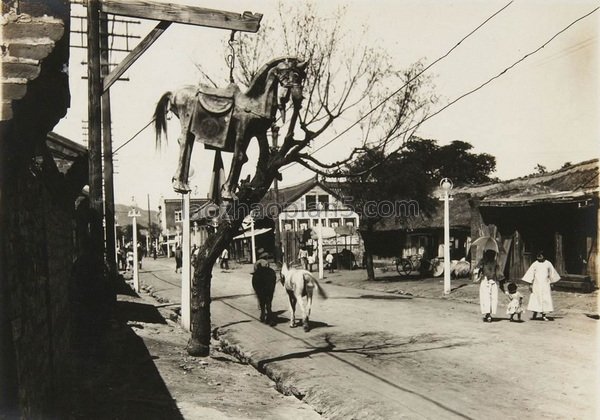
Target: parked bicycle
[(406, 265)]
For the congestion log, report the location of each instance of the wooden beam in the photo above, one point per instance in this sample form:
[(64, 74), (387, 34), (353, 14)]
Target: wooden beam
[(134, 54), (246, 22)]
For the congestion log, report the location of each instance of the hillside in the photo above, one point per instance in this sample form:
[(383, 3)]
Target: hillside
[(121, 211)]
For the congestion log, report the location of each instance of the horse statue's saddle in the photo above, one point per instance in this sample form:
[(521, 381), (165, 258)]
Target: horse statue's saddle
[(211, 118)]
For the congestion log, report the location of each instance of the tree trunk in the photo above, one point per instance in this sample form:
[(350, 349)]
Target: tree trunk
[(367, 236), (199, 342)]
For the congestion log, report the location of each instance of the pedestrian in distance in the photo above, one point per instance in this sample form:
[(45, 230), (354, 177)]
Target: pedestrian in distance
[(303, 258), (178, 259), (489, 276), (515, 306), (329, 261), (541, 276), (311, 261), (224, 264), (129, 258)]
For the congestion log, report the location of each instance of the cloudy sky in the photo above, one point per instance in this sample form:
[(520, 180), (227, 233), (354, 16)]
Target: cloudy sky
[(543, 111)]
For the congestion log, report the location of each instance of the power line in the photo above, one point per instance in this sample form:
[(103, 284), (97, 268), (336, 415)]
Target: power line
[(412, 79), (485, 83), (134, 136)]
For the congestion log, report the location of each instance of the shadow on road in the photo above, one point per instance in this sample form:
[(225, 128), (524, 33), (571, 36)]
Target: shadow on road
[(108, 364), (232, 296), (140, 312), (371, 347)]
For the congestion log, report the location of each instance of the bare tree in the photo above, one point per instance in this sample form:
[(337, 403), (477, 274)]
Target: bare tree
[(344, 77)]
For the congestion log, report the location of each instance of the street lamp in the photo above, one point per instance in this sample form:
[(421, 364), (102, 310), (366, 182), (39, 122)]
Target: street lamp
[(446, 186), (252, 216), (134, 214)]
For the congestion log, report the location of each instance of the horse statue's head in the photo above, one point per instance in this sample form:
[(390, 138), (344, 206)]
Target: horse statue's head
[(291, 75), (284, 76)]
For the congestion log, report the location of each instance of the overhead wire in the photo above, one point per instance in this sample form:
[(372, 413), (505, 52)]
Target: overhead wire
[(133, 137), (481, 85), (394, 93)]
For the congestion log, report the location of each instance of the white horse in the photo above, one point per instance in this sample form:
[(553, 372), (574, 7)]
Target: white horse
[(300, 283)]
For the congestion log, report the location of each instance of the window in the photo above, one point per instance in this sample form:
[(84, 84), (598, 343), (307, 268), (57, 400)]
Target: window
[(323, 202), (349, 222), (289, 225), (178, 215), (303, 224), (334, 223), (311, 202)]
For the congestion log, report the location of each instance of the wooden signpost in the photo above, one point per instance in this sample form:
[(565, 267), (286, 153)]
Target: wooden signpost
[(101, 79)]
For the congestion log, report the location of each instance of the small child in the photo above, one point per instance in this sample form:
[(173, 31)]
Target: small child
[(515, 306)]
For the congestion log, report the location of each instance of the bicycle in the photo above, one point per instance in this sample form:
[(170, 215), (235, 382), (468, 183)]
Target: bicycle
[(405, 266)]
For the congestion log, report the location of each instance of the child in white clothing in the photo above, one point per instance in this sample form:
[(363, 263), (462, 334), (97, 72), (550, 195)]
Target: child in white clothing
[(515, 306)]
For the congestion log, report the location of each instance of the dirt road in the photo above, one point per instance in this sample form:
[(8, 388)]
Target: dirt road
[(377, 355)]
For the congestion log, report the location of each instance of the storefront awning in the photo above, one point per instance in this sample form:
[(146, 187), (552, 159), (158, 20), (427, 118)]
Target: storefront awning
[(248, 233)]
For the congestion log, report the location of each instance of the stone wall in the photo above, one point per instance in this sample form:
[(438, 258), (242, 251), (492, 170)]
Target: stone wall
[(38, 277), (37, 213)]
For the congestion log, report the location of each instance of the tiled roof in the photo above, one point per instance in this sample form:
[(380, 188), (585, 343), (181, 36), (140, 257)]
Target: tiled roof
[(64, 151), (460, 212), (571, 184), (291, 193)]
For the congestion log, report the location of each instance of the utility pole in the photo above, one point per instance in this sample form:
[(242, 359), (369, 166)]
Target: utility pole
[(95, 129), (186, 281), (149, 235), (109, 190)]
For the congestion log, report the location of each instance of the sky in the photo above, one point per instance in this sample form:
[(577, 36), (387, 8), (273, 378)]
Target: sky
[(543, 111)]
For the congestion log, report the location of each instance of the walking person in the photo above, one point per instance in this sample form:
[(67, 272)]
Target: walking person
[(303, 257), (329, 261), (540, 276), (311, 261), (489, 277), (225, 259), (515, 306), (178, 259)]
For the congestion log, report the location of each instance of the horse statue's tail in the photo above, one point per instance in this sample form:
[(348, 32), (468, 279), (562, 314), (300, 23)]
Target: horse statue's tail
[(160, 116)]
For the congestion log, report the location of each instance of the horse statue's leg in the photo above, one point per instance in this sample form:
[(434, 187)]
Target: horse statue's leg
[(239, 158), (180, 179)]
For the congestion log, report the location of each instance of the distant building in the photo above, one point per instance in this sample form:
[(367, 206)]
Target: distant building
[(171, 222), (556, 212), (297, 210)]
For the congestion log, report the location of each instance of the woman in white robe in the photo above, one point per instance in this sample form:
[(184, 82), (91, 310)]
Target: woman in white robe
[(540, 275), (490, 277)]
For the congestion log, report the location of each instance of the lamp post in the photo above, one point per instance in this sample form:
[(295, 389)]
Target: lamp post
[(134, 214), (446, 186), (320, 247), (252, 237)]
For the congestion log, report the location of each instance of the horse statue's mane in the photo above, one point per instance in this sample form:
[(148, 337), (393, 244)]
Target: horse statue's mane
[(257, 85)]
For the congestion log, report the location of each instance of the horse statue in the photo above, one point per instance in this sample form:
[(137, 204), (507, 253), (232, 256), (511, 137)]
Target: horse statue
[(226, 118)]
